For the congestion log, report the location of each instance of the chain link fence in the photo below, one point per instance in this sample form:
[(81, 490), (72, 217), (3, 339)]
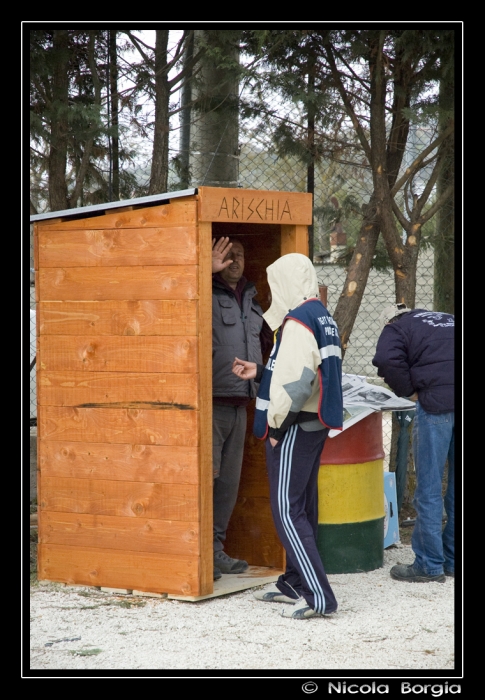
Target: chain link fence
[(342, 188), (334, 232)]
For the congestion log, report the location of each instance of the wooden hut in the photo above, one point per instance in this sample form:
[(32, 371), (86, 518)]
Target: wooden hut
[(124, 353)]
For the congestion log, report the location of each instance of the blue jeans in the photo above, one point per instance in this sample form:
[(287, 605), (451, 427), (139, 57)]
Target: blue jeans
[(433, 444)]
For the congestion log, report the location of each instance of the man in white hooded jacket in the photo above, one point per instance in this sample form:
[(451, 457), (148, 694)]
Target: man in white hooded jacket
[(299, 400)]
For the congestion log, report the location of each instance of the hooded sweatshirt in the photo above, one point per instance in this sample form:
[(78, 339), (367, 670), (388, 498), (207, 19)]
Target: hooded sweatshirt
[(304, 371)]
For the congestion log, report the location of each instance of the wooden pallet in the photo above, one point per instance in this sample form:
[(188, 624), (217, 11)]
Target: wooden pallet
[(229, 583)]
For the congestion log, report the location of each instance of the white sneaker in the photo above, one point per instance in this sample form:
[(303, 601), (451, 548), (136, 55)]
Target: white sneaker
[(301, 611), (273, 595)]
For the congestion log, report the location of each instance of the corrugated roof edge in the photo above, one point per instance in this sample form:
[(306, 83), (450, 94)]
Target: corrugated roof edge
[(152, 199)]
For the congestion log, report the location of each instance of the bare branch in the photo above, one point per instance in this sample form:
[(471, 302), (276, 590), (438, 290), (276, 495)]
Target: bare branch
[(348, 105), (400, 216), (417, 163), (187, 70), (138, 43), (43, 156), (365, 83), (179, 49), (442, 199), (406, 199), (430, 184)]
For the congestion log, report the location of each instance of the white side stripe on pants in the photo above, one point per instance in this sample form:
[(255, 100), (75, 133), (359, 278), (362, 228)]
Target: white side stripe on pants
[(288, 525)]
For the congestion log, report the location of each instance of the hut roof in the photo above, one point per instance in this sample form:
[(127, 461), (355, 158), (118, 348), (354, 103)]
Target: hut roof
[(80, 212)]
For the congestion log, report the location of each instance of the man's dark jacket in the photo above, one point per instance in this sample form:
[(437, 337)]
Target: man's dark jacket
[(416, 353), (236, 332)]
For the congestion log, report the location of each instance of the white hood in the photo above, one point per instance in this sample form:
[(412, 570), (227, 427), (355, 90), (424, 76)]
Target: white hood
[(292, 279)]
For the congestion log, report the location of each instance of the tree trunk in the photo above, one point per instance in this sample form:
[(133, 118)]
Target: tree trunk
[(357, 274), (159, 171), (113, 88), (215, 126), (311, 149), (405, 276), (360, 264), (77, 195), (185, 118), (386, 154), (58, 198), (444, 261)]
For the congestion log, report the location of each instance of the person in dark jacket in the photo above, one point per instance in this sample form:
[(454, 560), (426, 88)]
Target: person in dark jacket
[(415, 356), (299, 400), (237, 329)]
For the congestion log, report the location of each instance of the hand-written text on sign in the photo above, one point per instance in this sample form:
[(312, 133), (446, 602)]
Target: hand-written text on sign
[(254, 209)]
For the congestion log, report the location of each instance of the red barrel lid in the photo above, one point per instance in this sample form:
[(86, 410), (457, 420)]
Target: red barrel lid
[(362, 442)]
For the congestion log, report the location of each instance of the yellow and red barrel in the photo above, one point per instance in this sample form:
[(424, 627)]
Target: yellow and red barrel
[(351, 513)]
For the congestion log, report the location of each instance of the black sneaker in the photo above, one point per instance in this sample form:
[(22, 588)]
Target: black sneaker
[(403, 572), (227, 565), (451, 574), (217, 573)]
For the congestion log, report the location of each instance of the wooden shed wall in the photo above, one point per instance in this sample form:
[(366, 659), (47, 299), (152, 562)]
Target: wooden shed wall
[(124, 443)]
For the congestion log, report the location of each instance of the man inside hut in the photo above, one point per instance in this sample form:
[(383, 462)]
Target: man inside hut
[(238, 329)]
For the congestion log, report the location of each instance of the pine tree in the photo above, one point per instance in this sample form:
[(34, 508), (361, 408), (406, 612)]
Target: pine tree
[(77, 156), (161, 73), (67, 130)]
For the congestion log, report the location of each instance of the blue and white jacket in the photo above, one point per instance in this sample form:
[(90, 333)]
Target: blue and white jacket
[(302, 380)]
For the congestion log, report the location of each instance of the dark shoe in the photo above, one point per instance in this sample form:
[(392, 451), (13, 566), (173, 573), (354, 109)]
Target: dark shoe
[(227, 565), (217, 573), (401, 572), (451, 574)]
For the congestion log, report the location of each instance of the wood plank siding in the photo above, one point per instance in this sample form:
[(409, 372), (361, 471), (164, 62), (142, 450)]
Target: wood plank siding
[(119, 416), (124, 389), (141, 317)]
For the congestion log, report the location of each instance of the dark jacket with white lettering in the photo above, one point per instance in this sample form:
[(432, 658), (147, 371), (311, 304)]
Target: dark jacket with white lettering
[(302, 381), (416, 353), (235, 333), (315, 319)]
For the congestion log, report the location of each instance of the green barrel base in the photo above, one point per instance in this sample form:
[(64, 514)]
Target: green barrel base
[(351, 548)]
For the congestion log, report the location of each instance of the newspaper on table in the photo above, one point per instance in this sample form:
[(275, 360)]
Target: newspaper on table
[(361, 399)]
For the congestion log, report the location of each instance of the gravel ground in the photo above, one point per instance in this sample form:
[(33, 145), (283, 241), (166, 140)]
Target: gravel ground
[(380, 624)]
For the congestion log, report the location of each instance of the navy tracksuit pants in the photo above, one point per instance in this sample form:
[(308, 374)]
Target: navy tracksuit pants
[(293, 466)]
